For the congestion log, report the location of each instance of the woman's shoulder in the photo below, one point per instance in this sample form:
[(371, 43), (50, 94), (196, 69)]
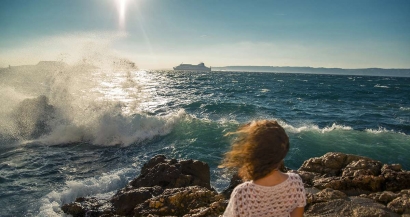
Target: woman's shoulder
[(243, 187), (294, 177)]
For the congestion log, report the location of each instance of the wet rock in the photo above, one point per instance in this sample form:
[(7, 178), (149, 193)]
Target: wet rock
[(33, 116)]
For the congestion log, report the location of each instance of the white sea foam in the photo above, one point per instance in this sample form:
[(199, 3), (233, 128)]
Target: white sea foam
[(312, 127), (405, 108), (264, 90), (381, 86), (114, 129), (382, 130), (106, 185), (79, 103)]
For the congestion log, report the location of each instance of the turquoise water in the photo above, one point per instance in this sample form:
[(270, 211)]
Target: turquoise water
[(105, 124)]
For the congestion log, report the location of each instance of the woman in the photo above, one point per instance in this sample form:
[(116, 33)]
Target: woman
[(257, 153)]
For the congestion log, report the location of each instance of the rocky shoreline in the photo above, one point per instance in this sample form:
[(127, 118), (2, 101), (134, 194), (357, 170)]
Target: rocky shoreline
[(336, 184)]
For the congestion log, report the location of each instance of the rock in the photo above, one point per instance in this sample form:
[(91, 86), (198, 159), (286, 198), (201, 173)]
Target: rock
[(401, 204), (383, 197), (125, 201), (332, 163), (164, 187), (307, 177), (362, 167), (353, 174), (235, 180), (353, 206), (182, 202), (168, 187), (87, 207), (396, 179), (32, 117), (329, 194), (329, 164), (383, 189), (173, 174)]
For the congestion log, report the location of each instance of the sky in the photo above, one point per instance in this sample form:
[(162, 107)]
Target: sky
[(160, 34)]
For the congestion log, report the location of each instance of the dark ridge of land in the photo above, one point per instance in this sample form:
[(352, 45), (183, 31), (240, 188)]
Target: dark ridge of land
[(312, 70)]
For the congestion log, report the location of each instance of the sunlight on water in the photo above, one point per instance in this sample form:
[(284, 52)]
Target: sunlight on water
[(79, 130)]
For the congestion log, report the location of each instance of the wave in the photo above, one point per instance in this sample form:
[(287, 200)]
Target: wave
[(381, 86), (37, 121), (109, 130), (103, 187), (405, 108), (312, 127), (381, 130), (70, 104), (334, 127)]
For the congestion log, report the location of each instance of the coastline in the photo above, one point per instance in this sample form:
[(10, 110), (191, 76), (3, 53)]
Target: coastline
[(336, 184)]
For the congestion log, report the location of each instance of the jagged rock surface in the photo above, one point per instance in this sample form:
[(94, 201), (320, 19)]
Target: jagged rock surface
[(355, 186)]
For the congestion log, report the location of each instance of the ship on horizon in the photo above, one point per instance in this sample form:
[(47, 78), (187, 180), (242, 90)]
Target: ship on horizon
[(190, 67)]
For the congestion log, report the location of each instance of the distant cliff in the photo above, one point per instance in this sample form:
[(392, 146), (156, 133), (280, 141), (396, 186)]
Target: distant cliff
[(311, 70)]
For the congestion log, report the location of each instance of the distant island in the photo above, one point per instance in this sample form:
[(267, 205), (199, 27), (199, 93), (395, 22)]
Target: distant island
[(311, 70)]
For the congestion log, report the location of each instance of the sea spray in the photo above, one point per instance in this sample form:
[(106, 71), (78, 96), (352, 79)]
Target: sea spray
[(103, 186)]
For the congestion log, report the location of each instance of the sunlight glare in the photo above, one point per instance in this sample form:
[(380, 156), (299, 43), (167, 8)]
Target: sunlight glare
[(122, 5)]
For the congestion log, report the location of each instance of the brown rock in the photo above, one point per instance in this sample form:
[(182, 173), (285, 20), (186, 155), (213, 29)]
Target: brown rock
[(383, 197), (91, 206), (362, 167), (307, 177), (353, 206), (400, 205), (332, 163), (173, 174), (235, 180), (329, 194), (124, 201), (181, 201), (396, 179)]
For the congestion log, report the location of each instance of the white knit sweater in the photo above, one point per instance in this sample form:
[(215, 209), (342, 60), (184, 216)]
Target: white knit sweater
[(250, 199)]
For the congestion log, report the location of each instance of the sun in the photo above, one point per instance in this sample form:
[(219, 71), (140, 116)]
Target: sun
[(122, 6)]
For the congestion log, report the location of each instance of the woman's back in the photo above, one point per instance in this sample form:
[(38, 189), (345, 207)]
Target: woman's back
[(250, 199)]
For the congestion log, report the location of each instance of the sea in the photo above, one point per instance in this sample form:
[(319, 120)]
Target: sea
[(75, 131)]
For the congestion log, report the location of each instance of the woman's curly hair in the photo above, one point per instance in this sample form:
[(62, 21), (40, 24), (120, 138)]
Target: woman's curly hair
[(259, 148)]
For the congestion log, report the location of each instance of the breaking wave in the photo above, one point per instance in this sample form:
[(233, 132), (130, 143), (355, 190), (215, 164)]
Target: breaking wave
[(102, 186)]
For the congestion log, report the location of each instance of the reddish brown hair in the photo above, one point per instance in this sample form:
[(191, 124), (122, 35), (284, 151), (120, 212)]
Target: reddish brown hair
[(259, 148)]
